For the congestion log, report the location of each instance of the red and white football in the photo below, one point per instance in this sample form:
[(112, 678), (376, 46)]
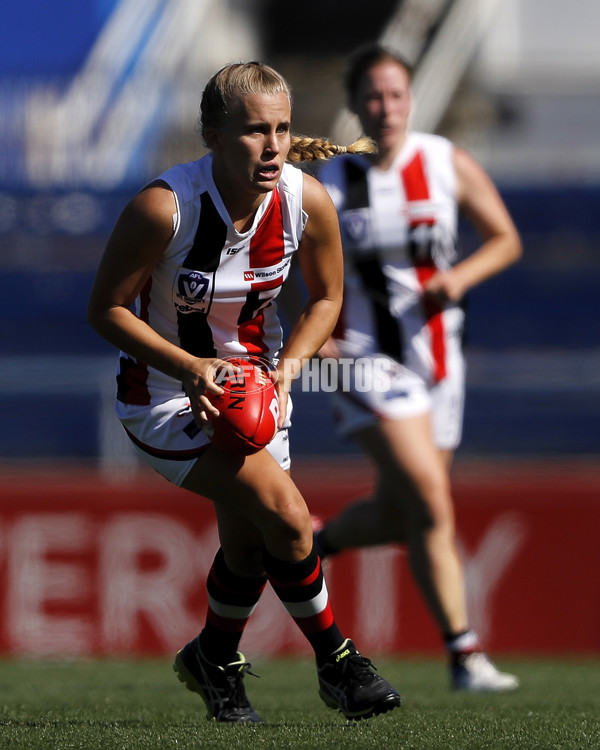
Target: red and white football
[(248, 407)]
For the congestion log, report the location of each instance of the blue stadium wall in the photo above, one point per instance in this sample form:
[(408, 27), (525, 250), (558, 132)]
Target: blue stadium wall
[(44, 39)]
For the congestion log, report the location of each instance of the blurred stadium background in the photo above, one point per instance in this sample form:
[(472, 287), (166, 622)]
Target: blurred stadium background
[(98, 97)]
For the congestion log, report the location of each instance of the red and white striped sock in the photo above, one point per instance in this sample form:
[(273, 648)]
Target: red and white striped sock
[(303, 592), (231, 601)]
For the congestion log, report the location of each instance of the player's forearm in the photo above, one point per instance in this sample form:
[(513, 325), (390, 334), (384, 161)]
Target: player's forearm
[(125, 331), (493, 257)]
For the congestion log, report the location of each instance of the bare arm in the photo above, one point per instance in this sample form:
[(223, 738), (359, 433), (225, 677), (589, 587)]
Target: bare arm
[(482, 205), (135, 246), (321, 264)]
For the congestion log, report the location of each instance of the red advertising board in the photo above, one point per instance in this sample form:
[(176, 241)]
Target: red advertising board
[(93, 567)]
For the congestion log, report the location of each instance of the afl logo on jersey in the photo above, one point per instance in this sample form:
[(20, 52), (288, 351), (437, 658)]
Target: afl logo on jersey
[(355, 223), (356, 228), (191, 290)]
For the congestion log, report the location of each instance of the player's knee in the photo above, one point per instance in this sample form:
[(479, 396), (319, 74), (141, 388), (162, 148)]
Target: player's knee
[(434, 507)]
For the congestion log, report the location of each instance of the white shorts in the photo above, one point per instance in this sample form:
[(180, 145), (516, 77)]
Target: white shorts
[(167, 437), (379, 388)]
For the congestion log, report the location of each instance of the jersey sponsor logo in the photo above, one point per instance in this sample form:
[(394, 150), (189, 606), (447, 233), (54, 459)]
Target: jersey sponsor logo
[(192, 291), (268, 273)]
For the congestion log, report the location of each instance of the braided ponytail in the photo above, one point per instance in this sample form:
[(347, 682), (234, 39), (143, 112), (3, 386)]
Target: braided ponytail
[(304, 148)]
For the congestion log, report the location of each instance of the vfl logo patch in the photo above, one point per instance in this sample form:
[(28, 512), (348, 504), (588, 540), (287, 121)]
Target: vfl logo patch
[(356, 229), (191, 291), (355, 224), (192, 286)]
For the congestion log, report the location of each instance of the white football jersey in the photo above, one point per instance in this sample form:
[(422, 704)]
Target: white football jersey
[(213, 291), (398, 226)]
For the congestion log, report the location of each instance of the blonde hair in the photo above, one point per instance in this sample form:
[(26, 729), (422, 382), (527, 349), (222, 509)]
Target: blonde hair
[(257, 78), (235, 79), (304, 148)]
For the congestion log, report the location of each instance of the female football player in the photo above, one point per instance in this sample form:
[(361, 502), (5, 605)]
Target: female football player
[(190, 276), (402, 315)]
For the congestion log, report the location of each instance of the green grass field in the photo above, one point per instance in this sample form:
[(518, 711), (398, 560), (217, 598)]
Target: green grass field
[(140, 704)]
